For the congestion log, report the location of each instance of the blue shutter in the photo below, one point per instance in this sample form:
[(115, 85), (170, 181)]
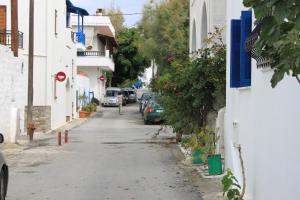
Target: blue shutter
[(245, 58), (235, 41)]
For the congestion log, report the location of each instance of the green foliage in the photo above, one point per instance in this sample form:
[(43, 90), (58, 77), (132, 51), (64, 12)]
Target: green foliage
[(116, 17), (164, 29), (129, 62), (90, 107), (231, 187), (95, 101), (279, 38), (204, 140), (190, 92)]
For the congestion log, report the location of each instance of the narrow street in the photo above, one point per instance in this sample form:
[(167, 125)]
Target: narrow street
[(111, 156)]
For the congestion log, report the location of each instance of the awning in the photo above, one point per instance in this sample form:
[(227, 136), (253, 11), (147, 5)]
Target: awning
[(73, 9), (105, 32)]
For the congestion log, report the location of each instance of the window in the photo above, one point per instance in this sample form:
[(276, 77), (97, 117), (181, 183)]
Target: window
[(240, 59), (55, 23)]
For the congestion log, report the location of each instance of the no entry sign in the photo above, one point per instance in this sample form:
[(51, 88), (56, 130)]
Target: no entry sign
[(61, 76), (102, 78)]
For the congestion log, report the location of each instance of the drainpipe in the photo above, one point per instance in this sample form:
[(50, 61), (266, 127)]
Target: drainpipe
[(14, 27)]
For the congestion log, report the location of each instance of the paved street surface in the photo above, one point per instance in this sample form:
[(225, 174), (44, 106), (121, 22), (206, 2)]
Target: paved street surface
[(111, 156)]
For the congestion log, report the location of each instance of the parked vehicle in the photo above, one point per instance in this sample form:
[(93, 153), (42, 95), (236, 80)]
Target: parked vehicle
[(3, 173), (132, 97), (153, 111), (111, 97), (143, 100)]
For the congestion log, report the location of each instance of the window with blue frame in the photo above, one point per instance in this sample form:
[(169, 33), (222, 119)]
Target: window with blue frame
[(240, 59)]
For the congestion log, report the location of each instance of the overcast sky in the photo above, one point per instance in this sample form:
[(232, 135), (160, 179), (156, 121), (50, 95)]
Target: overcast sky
[(127, 6)]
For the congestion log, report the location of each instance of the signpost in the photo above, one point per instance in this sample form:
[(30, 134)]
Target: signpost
[(61, 76)]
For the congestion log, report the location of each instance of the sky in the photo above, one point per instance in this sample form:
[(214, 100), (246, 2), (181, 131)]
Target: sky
[(127, 6)]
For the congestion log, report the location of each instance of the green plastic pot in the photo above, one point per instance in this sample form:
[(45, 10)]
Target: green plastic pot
[(215, 164), (197, 157)]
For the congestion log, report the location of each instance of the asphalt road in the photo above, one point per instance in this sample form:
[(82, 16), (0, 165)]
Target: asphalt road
[(110, 157)]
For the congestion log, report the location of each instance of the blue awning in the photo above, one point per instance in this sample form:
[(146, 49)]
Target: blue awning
[(73, 9)]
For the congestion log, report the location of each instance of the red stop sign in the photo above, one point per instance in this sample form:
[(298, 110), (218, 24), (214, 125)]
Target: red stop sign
[(102, 78), (61, 76)]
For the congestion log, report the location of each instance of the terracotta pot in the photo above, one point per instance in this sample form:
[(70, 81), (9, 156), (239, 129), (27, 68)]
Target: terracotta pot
[(84, 114)]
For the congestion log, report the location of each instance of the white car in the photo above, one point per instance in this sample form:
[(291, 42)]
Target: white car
[(111, 97)]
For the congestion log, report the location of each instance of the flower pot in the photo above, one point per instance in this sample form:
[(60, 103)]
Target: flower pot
[(197, 157), (215, 164), (84, 114)]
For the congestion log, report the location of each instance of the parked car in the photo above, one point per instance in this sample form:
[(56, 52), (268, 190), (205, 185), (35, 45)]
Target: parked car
[(153, 111), (3, 174), (111, 97), (132, 97), (143, 100)]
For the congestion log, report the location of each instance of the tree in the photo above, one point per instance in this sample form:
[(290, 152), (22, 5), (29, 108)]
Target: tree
[(116, 17), (190, 92), (164, 27), (279, 35), (129, 62)]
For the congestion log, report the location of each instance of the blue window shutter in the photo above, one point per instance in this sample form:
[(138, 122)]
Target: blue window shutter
[(235, 45), (245, 58)]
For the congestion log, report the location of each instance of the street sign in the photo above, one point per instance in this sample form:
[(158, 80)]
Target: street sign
[(102, 78), (61, 76)]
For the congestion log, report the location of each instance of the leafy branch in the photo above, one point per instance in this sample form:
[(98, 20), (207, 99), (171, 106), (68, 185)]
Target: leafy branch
[(279, 36)]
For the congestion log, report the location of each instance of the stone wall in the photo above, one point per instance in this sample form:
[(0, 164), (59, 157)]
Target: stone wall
[(41, 118)]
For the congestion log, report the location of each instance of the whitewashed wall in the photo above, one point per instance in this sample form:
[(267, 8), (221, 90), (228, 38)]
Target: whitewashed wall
[(52, 54), (265, 122), (205, 13), (13, 81)]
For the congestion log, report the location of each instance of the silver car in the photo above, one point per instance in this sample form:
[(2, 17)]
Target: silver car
[(3, 173)]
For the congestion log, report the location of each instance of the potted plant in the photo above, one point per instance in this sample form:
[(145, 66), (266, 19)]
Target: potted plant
[(214, 161), (85, 111), (196, 144)]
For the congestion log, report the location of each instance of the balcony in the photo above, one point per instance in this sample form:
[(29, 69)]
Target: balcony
[(80, 38), (5, 38), (96, 59)]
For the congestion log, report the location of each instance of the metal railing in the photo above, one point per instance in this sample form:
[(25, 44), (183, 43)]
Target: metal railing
[(90, 53), (5, 38), (80, 37)]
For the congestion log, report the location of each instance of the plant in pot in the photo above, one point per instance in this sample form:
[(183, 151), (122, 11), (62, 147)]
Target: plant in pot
[(85, 111), (214, 161), (196, 144)]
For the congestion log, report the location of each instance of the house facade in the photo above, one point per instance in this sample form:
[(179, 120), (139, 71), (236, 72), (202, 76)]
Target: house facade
[(54, 52), (261, 120), (205, 15), (95, 59)]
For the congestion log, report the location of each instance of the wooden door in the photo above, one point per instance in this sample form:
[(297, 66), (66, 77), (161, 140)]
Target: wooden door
[(2, 25)]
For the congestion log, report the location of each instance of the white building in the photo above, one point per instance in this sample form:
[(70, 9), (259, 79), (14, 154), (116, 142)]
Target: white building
[(205, 15), (54, 51), (94, 59), (260, 119)]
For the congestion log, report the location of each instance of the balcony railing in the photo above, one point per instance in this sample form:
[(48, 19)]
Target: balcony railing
[(90, 53), (80, 37), (5, 38)]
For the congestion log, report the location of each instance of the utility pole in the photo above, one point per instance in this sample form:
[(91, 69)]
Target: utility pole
[(30, 123), (14, 27)]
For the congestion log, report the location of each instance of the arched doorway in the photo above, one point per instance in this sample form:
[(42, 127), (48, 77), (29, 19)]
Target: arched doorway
[(204, 32)]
